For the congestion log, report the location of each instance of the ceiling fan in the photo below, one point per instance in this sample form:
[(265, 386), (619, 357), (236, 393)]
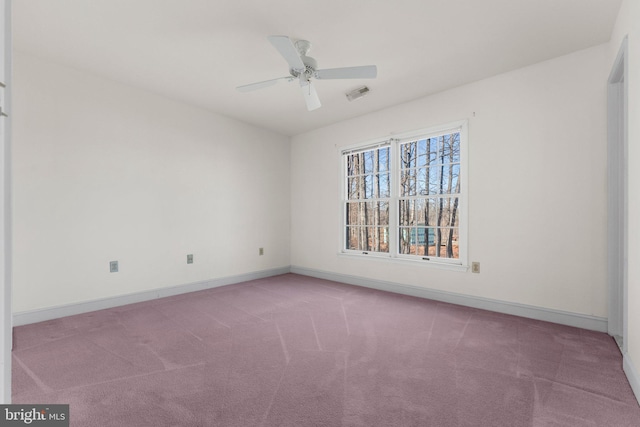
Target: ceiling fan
[(304, 68)]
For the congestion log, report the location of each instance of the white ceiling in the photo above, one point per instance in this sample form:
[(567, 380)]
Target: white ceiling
[(198, 51)]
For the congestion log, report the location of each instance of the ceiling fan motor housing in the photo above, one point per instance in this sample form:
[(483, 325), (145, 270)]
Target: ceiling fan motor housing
[(303, 47)]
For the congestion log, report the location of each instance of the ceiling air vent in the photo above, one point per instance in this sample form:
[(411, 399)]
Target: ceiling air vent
[(357, 93)]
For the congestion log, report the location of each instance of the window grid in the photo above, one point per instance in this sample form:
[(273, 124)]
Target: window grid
[(404, 199), (429, 194), (368, 198)]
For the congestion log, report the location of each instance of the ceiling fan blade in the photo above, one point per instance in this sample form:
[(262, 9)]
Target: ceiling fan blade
[(288, 50), (260, 85), (361, 72), (310, 95)]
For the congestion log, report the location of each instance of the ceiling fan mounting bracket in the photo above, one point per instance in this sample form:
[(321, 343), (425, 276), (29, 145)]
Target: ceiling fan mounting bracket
[(303, 46)]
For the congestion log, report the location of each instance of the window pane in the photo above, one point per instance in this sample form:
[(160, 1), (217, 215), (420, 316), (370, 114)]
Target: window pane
[(384, 165), (438, 242), (407, 212), (384, 185), (417, 241), (443, 185), (408, 182), (446, 148), (404, 243), (353, 186), (432, 150), (449, 179), (454, 148), (449, 216), (370, 160), (372, 212), (422, 182), (455, 169), (368, 239), (368, 186), (449, 243), (367, 213), (403, 212), (444, 215), (378, 239), (384, 239), (351, 169), (357, 238), (377, 185), (432, 212), (434, 180), (353, 242), (439, 152), (425, 236), (355, 164), (423, 158), (408, 155), (429, 244), (421, 206), (353, 214), (383, 213)]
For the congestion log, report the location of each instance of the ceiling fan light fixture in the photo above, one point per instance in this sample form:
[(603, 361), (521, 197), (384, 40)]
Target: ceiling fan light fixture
[(357, 93)]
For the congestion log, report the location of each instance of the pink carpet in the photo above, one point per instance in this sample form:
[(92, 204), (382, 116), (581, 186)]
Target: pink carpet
[(296, 351)]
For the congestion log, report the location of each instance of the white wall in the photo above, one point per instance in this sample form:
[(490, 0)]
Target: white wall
[(537, 186), (628, 23), (107, 172)]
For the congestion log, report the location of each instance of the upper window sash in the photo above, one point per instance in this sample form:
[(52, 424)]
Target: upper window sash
[(361, 148)]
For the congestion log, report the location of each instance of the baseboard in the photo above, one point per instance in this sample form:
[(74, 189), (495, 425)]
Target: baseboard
[(41, 315), (565, 318), (632, 376), (549, 315)]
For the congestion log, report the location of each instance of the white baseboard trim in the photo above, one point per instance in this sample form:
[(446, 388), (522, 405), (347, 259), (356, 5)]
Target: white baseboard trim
[(632, 376), (556, 316), (539, 313), (41, 315)]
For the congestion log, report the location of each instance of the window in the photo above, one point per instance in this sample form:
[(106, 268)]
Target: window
[(405, 197), (368, 197)]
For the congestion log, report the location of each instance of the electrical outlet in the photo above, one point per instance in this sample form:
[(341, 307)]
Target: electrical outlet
[(190, 259), (113, 266), (475, 267), (260, 251)]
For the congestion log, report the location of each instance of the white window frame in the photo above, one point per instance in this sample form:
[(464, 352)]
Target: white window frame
[(461, 263)]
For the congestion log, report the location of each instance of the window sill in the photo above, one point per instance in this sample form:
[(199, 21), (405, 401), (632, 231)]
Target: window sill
[(406, 261)]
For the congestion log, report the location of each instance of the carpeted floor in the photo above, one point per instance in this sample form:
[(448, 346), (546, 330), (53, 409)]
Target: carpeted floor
[(296, 351)]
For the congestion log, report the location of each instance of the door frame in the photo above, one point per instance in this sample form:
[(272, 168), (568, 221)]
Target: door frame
[(617, 187)]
